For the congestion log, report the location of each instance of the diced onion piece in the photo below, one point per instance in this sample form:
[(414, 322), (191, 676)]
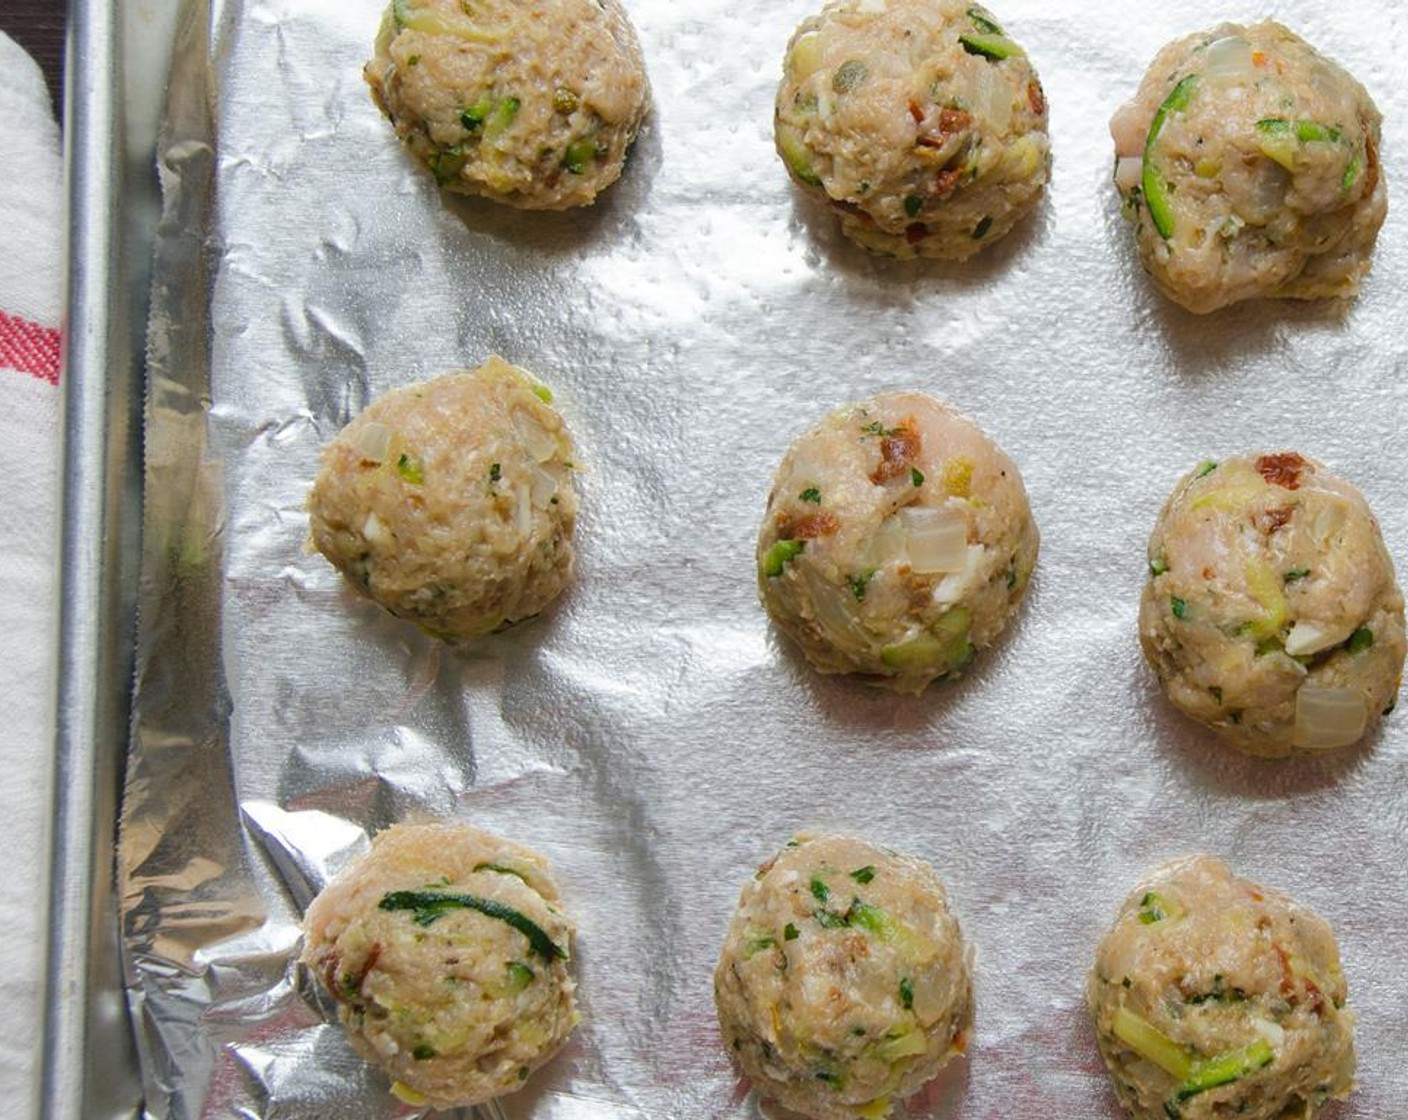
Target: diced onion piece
[(375, 531), (992, 98), (805, 58), (1328, 520), (537, 440), (1274, 1033), (1309, 637), (1129, 171), (1229, 58), (889, 543), (1270, 185), (955, 586), (374, 442), (433, 21), (1327, 718), (836, 609), (523, 511), (938, 539), (544, 487)]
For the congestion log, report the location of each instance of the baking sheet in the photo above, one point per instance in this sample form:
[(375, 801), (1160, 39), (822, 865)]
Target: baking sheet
[(652, 735)]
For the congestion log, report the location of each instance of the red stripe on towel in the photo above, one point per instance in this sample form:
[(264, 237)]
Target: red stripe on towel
[(29, 348)]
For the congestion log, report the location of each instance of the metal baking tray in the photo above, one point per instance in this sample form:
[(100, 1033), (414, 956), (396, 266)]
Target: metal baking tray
[(651, 734), (116, 61)]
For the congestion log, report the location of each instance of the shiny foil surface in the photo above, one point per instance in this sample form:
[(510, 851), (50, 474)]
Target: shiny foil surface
[(652, 734)]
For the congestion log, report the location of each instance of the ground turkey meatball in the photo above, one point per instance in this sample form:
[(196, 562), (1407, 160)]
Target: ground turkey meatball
[(1214, 997), (1248, 163), (447, 955), (897, 541), (1271, 613), (532, 104), (450, 503), (920, 121), (843, 985)]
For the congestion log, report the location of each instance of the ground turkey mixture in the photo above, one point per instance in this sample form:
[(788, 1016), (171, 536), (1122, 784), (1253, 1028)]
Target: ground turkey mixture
[(1215, 998), (921, 122), (1249, 166)]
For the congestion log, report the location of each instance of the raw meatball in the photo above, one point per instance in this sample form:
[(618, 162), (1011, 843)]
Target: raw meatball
[(920, 121), (1214, 997), (897, 541), (1249, 165), (447, 955), (1271, 613), (532, 104), (843, 985), (451, 503)]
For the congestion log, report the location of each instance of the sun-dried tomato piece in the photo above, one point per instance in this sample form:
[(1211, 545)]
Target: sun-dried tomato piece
[(808, 527), (899, 448), (1281, 470)]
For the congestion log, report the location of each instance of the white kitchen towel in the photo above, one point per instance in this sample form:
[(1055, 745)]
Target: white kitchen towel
[(31, 303)]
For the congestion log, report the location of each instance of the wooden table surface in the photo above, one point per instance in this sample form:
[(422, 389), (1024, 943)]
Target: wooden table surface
[(38, 26)]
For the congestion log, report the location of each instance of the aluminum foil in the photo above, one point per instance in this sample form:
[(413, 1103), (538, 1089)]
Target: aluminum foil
[(652, 735)]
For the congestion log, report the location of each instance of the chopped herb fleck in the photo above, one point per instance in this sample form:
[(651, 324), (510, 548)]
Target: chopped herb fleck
[(878, 429), (864, 874), (983, 22), (1295, 575), (832, 1079), (1180, 608), (810, 494), (423, 1053), (1360, 640), (410, 469), (869, 917), (1127, 982), (496, 472), (519, 975), (859, 582), (1153, 908), (414, 60), (916, 476), (981, 229), (912, 205), (820, 891), (578, 154), (445, 163), (827, 920), (543, 393), (1158, 566), (779, 555), (789, 932), (1206, 468), (430, 906), (474, 116), (907, 993)]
